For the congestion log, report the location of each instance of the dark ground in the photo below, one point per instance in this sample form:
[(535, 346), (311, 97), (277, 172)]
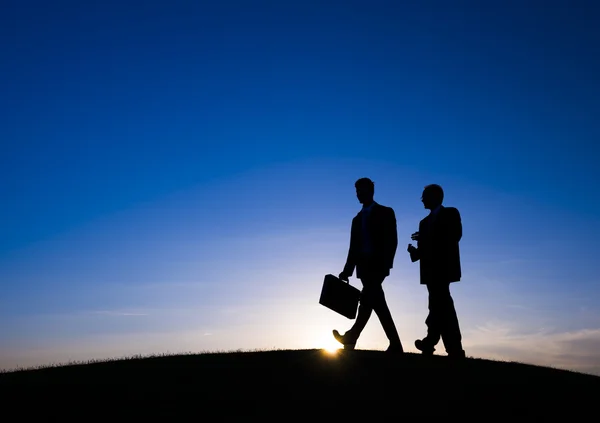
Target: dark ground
[(287, 385)]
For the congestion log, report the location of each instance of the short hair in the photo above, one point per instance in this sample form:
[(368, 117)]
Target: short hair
[(435, 191), (365, 183)]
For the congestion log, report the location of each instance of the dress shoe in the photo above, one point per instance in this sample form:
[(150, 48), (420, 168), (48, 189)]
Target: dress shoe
[(348, 343), (425, 348)]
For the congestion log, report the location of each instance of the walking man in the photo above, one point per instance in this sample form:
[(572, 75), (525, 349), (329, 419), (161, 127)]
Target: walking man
[(438, 252), (373, 243)]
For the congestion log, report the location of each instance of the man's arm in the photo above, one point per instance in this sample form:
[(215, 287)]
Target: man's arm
[(454, 224), (351, 258), (392, 238), (414, 252)]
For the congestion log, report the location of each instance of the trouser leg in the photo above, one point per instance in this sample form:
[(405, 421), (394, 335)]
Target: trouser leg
[(387, 322), (364, 314), (373, 299), (432, 321), (442, 320)]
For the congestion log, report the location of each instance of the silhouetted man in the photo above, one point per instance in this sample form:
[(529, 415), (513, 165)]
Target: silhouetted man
[(373, 243), (437, 249)]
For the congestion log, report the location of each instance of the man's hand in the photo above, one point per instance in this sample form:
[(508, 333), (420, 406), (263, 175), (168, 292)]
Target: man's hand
[(344, 277), (411, 249), (415, 236)]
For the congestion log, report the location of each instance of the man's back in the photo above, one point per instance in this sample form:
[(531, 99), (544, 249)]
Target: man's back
[(381, 227), (439, 236)]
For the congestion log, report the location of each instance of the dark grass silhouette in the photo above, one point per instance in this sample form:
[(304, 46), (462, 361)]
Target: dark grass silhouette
[(288, 385)]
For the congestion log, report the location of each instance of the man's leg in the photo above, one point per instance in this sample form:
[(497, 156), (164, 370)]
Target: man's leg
[(450, 329), (433, 321), (364, 314), (365, 309), (379, 304)]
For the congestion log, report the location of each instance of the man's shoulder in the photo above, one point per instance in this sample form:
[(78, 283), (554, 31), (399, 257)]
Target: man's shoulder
[(450, 210), (357, 217), (450, 215), (385, 209)]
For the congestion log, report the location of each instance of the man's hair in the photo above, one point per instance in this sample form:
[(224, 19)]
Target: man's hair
[(436, 192), (365, 183)]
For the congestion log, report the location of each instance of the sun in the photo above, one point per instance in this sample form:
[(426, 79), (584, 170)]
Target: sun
[(331, 351), (328, 344)]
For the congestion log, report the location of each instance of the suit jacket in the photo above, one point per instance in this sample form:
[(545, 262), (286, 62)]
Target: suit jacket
[(381, 224), (437, 247)]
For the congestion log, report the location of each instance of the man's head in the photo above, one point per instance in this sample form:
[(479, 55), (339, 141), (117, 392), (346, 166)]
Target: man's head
[(433, 196), (365, 190)]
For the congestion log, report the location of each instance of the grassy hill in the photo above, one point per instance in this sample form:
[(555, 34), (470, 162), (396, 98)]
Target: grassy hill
[(287, 385)]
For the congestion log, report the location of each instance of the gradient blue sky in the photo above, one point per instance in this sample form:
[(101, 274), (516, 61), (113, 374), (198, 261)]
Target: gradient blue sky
[(178, 175)]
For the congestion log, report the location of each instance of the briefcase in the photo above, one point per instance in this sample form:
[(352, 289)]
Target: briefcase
[(340, 296)]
